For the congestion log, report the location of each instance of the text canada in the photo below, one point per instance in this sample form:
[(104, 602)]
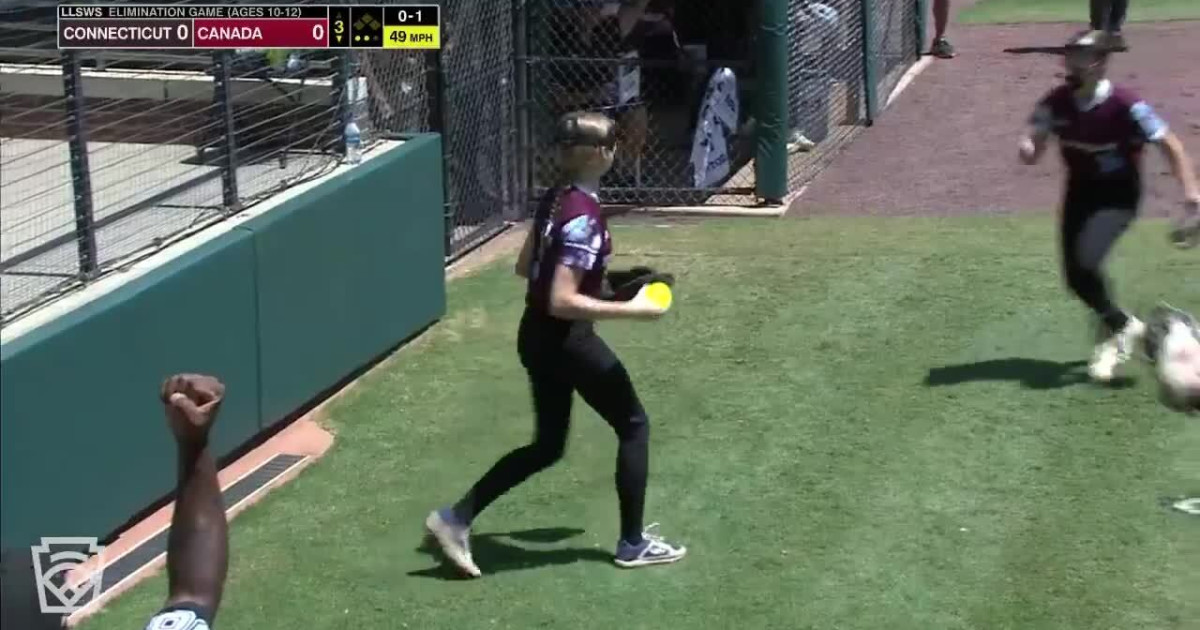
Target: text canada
[(229, 33)]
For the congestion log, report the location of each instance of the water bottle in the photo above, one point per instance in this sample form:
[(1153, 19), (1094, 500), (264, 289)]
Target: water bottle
[(353, 143)]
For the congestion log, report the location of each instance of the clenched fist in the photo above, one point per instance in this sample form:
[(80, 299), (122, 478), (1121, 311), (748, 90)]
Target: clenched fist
[(192, 402)]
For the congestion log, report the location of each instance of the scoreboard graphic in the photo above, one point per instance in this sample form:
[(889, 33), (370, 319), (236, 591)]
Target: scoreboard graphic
[(144, 26)]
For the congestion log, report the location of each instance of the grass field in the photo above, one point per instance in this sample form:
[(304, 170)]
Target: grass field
[(858, 423), (1017, 11)]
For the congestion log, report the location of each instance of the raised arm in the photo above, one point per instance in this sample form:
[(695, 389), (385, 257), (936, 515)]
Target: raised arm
[(198, 545)]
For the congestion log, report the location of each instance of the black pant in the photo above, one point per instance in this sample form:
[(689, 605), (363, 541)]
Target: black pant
[(1108, 15), (1093, 218), (562, 358)]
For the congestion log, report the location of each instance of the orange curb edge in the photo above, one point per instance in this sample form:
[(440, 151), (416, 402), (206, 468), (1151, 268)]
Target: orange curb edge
[(303, 437)]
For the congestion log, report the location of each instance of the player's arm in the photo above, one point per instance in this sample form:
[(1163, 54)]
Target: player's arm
[(566, 302), (1181, 165), (1033, 144), (581, 237), (198, 545)]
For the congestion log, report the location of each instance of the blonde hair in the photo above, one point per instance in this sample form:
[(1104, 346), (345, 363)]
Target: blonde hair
[(580, 135)]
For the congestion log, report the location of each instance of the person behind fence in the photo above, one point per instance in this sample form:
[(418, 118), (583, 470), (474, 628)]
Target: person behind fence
[(564, 259), (198, 542), (1102, 130), (615, 30), (941, 19), (816, 31), (1109, 16)]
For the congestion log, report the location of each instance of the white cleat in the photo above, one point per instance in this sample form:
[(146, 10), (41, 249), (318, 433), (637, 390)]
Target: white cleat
[(454, 540), (1116, 350)]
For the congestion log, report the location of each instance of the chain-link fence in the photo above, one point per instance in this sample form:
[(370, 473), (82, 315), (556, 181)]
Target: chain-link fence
[(108, 156), (680, 79), (105, 157), (845, 58), (654, 67)]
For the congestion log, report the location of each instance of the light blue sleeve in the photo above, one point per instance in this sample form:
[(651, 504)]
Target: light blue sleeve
[(1152, 126)]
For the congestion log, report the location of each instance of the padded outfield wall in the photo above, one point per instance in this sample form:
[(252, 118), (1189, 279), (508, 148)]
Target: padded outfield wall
[(282, 307)]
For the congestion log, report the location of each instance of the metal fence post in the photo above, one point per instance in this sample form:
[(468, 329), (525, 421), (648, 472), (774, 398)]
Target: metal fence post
[(868, 55), (81, 174), (922, 25), (771, 162), (223, 95), (340, 95), (436, 86), (521, 72)]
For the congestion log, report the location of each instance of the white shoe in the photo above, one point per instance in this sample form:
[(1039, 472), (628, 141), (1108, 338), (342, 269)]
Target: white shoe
[(454, 540), (653, 550), (798, 143), (1115, 350)]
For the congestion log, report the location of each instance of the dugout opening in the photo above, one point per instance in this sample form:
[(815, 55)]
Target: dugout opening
[(662, 69), (681, 80)]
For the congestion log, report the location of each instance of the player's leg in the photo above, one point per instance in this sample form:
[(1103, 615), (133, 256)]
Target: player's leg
[(604, 384), (1099, 10), (941, 20), (552, 397), (1116, 15), (1088, 235)]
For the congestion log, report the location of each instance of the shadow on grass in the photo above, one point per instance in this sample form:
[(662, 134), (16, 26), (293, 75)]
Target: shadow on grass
[(1031, 373), (494, 554)]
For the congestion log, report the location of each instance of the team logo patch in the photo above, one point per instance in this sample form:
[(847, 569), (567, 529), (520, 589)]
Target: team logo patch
[(579, 230), (1152, 125)]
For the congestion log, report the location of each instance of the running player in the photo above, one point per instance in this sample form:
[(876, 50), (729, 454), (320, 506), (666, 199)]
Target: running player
[(564, 261), (1102, 130), (198, 544)]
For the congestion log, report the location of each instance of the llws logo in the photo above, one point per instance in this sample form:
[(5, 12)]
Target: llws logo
[(53, 560)]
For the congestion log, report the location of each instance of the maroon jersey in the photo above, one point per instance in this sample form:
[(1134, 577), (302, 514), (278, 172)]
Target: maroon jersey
[(569, 230), (1100, 139)]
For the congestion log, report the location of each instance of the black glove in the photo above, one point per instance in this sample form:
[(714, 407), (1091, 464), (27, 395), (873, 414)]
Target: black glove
[(623, 285)]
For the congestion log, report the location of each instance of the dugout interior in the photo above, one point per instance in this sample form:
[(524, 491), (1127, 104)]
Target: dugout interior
[(580, 56)]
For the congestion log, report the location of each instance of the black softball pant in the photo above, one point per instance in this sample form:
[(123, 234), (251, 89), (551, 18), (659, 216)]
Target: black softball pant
[(1093, 219), (562, 358)]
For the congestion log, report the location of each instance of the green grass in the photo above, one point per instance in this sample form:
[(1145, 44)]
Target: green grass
[(797, 449), (1019, 11)]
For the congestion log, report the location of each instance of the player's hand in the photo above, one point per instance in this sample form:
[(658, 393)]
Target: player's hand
[(192, 402), (1028, 151), (642, 307)]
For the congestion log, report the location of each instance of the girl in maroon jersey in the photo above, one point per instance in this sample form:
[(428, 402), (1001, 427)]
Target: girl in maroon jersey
[(564, 260), (1102, 130)]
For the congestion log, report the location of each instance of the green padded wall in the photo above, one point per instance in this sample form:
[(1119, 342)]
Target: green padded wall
[(350, 269), (281, 308), (83, 441)]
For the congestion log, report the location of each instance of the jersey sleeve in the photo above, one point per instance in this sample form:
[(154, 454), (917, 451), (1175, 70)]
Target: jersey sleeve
[(581, 238), (1149, 124), (178, 618)]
